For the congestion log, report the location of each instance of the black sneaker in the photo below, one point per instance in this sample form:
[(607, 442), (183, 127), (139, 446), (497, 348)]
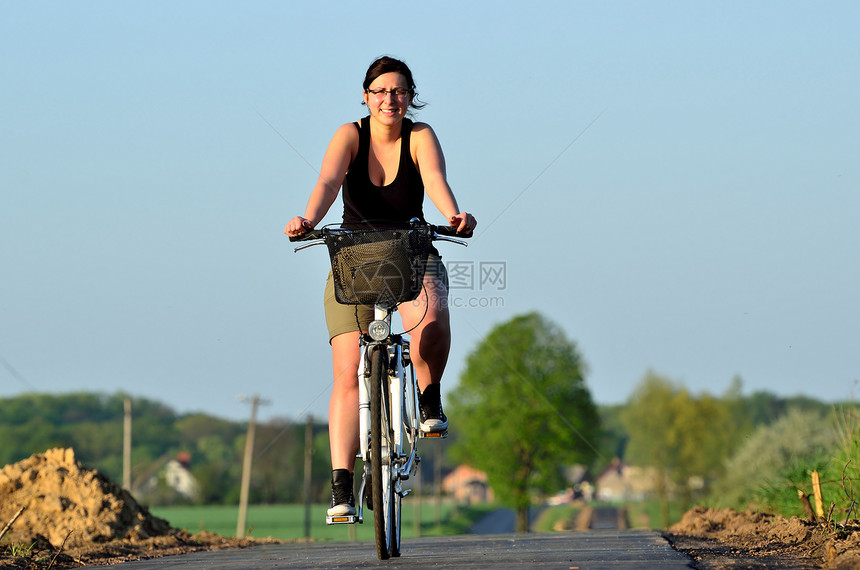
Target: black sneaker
[(433, 419), (342, 498)]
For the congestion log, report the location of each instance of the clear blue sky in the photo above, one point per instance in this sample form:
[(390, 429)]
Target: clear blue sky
[(675, 184)]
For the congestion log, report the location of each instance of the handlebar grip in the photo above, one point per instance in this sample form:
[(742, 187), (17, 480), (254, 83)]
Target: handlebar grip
[(450, 231), (308, 236)]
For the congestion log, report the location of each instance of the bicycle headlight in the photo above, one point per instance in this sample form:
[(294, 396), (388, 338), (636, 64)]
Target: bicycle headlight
[(378, 330)]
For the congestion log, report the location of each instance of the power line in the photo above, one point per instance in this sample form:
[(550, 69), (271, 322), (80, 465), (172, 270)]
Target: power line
[(15, 374), (541, 173)]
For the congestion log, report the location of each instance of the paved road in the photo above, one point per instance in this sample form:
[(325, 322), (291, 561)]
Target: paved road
[(500, 521), (629, 549)]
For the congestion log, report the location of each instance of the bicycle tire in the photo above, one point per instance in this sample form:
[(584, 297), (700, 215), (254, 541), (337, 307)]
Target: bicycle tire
[(394, 546), (380, 478), (392, 496)]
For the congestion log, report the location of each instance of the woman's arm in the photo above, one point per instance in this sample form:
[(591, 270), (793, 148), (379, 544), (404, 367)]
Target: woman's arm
[(338, 156), (431, 165)]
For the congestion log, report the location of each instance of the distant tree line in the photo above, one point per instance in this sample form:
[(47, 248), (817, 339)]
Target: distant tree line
[(732, 450), (92, 424), (528, 411)]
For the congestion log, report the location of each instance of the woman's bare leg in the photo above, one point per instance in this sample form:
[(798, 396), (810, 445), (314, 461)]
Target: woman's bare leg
[(431, 336), (343, 405)]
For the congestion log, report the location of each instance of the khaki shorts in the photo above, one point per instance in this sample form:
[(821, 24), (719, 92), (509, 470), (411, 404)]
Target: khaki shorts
[(350, 318)]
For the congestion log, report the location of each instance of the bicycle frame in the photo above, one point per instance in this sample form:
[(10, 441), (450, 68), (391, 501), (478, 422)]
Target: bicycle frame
[(402, 411)]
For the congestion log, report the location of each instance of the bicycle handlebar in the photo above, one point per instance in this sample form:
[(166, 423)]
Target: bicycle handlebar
[(449, 231), (435, 231), (308, 236)]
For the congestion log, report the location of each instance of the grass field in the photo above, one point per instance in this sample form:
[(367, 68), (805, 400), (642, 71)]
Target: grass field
[(646, 514), (562, 515), (286, 522)]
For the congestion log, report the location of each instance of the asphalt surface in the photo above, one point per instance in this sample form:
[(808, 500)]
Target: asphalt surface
[(630, 549)]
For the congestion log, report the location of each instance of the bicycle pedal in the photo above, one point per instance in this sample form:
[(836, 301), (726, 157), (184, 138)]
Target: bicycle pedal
[(341, 519), (433, 434)]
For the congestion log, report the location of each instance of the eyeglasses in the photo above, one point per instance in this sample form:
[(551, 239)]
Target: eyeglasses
[(395, 93)]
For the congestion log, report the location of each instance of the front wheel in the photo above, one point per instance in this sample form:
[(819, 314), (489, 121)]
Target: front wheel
[(386, 503)]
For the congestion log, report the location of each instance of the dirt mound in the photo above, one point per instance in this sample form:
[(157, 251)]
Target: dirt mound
[(729, 538), (74, 516), (756, 529), (66, 502)]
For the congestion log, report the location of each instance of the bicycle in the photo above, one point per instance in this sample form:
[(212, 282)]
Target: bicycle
[(383, 268)]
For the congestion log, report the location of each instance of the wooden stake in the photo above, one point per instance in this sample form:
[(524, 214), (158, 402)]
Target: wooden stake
[(804, 500), (816, 491)]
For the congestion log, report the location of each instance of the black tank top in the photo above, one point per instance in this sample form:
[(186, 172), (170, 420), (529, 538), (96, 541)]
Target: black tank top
[(365, 203)]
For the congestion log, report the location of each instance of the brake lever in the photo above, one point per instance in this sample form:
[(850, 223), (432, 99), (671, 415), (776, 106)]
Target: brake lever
[(307, 245)]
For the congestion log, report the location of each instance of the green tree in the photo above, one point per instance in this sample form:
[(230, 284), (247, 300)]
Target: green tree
[(215, 461), (522, 411), (613, 441), (799, 441), (279, 463), (682, 437)]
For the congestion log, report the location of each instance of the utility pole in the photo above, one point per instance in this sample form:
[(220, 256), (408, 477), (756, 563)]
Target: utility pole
[(309, 452), (246, 465), (126, 445)]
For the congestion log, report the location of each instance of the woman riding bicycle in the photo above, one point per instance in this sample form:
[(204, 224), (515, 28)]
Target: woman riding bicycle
[(385, 164)]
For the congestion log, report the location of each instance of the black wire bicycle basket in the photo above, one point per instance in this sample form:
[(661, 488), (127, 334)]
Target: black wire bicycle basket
[(378, 267)]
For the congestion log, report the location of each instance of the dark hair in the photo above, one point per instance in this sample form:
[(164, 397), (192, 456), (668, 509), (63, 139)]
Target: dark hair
[(386, 64)]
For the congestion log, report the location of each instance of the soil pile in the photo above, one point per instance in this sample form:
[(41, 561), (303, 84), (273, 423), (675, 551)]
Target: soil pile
[(75, 516), (67, 503), (725, 538)]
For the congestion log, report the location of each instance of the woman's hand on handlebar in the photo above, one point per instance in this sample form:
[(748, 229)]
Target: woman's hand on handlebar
[(464, 222), (298, 226)]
